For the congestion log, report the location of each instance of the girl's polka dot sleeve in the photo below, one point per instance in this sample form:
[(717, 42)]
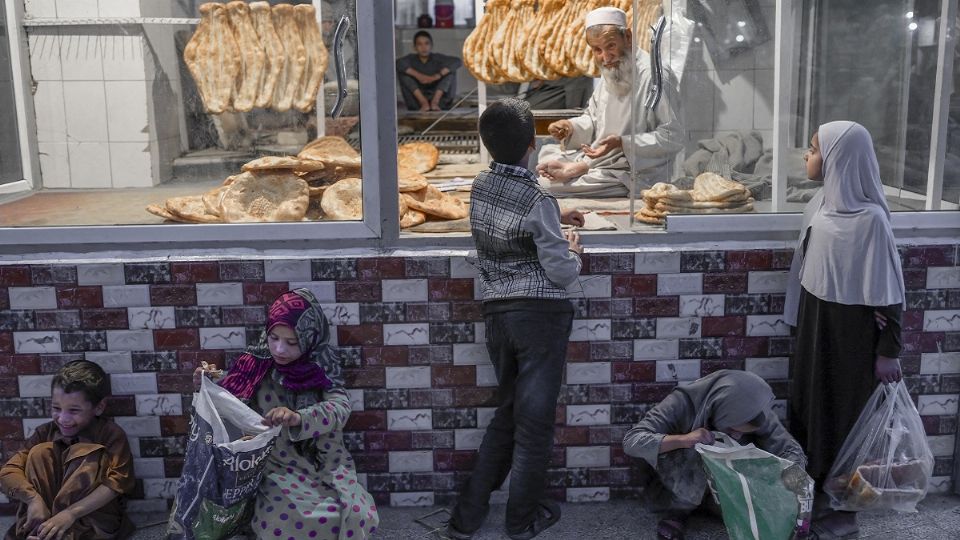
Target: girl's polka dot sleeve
[(325, 417)]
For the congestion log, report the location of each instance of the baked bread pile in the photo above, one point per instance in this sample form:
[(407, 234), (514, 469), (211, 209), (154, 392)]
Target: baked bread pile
[(251, 55), (526, 40), (881, 486), (711, 194)]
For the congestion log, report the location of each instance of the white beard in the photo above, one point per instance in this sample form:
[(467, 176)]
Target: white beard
[(621, 79)]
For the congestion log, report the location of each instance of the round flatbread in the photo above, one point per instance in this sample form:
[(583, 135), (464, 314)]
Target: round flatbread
[(343, 201), (191, 209), (332, 146), (419, 156), (161, 211), (271, 162), (211, 200), (265, 197), (410, 180), (431, 200), (412, 218)]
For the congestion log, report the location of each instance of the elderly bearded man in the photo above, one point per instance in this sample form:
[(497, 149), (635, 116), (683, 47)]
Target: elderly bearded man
[(603, 149)]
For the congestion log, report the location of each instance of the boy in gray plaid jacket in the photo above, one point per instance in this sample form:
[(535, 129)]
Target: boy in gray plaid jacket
[(525, 264)]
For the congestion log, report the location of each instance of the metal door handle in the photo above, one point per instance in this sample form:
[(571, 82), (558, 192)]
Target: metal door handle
[(338, 36)]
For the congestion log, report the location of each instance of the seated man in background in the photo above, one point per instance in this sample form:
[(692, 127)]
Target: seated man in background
[(428, 80)]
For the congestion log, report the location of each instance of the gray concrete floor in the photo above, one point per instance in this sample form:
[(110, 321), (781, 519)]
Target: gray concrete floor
[(938, 519)]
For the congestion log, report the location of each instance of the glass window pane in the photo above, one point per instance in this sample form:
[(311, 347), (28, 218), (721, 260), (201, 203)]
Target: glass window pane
[(10, 165), (951, 166)]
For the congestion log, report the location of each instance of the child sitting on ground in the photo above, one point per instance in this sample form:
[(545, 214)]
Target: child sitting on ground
[(71, 476)]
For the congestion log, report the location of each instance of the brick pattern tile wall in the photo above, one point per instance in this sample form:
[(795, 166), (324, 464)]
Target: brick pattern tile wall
[(412, 339)]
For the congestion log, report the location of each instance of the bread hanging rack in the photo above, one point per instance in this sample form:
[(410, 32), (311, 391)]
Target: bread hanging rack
[(108, 21)]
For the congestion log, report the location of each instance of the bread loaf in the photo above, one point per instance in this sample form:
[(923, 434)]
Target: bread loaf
[(296, 57), (252, 57), (275, 57), (317, 57)]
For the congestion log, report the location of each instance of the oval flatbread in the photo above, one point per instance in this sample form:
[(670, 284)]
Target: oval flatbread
[(431, 200), (211, 200), (161, 211), (266, 163), (419, 156), (343, 201), (268, 197), (332, 146), (190, 208), (410, 180), (412, 218)]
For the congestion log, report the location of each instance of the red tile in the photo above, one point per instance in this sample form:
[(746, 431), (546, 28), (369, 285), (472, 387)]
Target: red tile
[(709, 366), (651, 392), (624, 372), (931, 342), (445, 376), (558, 458), (366, 378), (6, 342), (923, 256), (188, 361), (466, 311), (560, 415), (915, 279), (263, 293), (382, 441), (121, 406), (195, 272), (476, 396), (629, 286), (385, 356), (656, 306), (172, 466), (11, 428), (180, 338), (19, 364), (361, 334), (911, 342), (571, 436), (367, 421), (454, 460), (782, 259), (619, 457), (175, 383), (931, 424), (450, 289), (578, 351), (358, 291), (374, 268), (15, 276), (80, 297), (743, 347), (9, 387), (174, 425), (4, 299), (724, 282), (104, 319), (757, 259), (912, 320), (372, 462), (173, 295), (723, 326)]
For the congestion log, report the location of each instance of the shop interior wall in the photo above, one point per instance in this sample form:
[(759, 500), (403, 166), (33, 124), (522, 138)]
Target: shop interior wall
[(412, 338)]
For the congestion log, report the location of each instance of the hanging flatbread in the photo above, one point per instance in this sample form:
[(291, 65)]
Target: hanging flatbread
[(191, 209), (161, 211), (296, 54), (343, 201), (213, 58), (419, 156), (275, 57), (265, 197), (317, 57), (431, 200), (252, 56)]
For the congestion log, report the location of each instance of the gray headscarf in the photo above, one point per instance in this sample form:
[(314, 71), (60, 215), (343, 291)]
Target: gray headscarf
[(851, 257), (727, 398)]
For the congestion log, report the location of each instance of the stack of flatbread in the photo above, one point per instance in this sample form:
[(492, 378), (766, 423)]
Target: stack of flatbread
[(711, 194), (525, 40), (251, 55)]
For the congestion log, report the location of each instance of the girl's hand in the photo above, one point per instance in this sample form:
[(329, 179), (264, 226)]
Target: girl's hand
[(888, 369), (210, 370), (880, 318), (699, 435), (281, 416)]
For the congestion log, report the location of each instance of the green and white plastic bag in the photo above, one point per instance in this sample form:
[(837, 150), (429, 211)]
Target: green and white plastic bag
[(762, 496)]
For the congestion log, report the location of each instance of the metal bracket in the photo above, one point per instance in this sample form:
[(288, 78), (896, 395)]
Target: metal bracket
[(338, 36), (656, 65)]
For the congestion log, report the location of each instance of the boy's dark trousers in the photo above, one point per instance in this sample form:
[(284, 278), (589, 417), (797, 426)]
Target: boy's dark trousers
[(528, 350)]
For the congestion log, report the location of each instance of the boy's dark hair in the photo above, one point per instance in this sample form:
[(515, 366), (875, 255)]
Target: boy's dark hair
[(83, 376), (506, 129), (420, 34)]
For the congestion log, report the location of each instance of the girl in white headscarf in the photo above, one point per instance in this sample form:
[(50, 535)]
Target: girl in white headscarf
[(844, 296)]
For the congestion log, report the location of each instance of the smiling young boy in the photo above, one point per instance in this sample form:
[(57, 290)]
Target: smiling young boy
[(71, 476)]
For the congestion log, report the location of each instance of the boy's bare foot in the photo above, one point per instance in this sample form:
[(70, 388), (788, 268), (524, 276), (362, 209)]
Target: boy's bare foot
[(425, 108), (434, 107)]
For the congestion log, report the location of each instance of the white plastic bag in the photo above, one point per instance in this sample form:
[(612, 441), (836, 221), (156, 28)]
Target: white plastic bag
[(886, 462)]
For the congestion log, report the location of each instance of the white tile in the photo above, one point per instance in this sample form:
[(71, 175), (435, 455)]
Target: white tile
[(160, 488), (33, 297), (588, 373), (133, 383), (86, 111), (408, 377), (36, 342), (409, 419), (766, 52), (470, 354), (219, 294), (412, 498), (590, 330), (45, 57), (286, 270), (139, 426), (486, 375), (733, 101), (934, 363), (656, 262), (143, 318), (406, 334), (683, 327), (933, 405), (100, 274), (30, 425), (767, 325), (89, 165), (126, 295), (325, 291), (149, 468), (54, 164), (111, 362), (34, 385), (943, 277), (468, 439), (129, 340), (119, 8), (345, 313), (127, 111), (67, 9), (697, 98), (673, 284), (159, 405), (595, 286), (223, 338), (484, 416), (588, 456), (763, 99), (134, 445), (678, 370), (656, 349), (588, 415), (411, 461), (769, 368), (701, 305), (356, 399), (941, 320), (51, 117), (588, 494), (405, 290), (37, 9), (131, 165), (767, 282), (460, 268), (941, 445)]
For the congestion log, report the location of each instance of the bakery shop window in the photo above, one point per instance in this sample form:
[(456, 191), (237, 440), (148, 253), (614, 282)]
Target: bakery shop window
[(193, 112)]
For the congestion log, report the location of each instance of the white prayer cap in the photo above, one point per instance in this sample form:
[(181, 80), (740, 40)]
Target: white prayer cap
[(606, 15)]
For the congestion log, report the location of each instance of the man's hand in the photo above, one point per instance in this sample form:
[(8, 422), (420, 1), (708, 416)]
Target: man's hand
[(55, 527), (572, 217), (561, 171), (699, 435), (561, 129), (888, 369), (604, 146), (574, 239), (281, 416), (37, 513)]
